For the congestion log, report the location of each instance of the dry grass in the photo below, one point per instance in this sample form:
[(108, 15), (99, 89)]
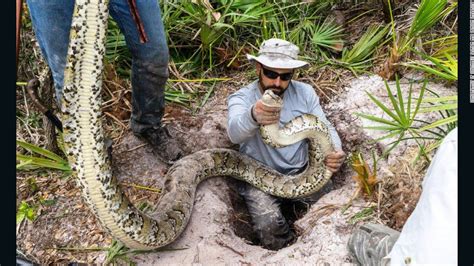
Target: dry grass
[(327, 81), (30, 65), (399, 192)]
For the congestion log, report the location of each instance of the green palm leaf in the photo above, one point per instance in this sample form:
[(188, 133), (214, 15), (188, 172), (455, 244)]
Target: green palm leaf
[(441, 122), (326, 35), (359, 56), (385, 108), (378, 119)]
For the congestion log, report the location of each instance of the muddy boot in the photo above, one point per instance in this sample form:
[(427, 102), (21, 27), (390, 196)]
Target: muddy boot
[(164, 146), (268, 222), (149, 76), (274, 232), (370, 243)]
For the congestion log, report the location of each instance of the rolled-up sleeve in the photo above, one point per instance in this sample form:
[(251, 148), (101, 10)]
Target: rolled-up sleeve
[(240, 124), (316, 109)]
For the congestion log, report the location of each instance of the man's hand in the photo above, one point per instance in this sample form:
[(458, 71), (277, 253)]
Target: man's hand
[(265, 115), (334, 160)]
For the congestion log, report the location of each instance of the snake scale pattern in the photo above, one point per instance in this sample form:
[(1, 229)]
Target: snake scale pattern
[(84, 143)]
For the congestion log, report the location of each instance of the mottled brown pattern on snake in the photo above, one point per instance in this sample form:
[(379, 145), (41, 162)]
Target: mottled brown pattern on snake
[(84, 136)]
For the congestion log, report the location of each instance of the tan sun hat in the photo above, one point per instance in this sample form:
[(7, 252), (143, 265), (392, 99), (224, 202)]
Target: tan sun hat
[(277, 53)]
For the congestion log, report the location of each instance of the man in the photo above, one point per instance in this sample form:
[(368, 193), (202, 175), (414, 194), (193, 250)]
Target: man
[(147, 43), (275, 65)]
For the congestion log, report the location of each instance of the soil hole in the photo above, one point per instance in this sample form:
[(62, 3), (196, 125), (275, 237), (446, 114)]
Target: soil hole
[(242, 223)]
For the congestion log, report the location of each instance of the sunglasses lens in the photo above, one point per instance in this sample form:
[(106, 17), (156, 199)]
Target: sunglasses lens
[(273, 75), (270, 74), (286, 76)]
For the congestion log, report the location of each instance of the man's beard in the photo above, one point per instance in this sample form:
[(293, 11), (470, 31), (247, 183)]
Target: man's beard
[(276, 89)]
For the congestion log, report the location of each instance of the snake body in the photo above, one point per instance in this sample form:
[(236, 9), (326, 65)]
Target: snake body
[(86, 152)]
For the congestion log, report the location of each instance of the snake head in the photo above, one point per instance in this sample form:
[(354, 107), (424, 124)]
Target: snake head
[(269, 98)]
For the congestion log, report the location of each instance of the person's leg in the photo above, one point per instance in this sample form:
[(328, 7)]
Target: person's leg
[(317, 195), (268, 222), (370, 243), (51, 21), (149, 74)]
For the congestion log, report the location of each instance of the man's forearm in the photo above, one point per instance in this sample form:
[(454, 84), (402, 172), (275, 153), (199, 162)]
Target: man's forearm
[(241, 125)]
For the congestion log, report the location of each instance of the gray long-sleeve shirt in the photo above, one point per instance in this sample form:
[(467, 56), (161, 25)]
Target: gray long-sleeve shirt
[(299, 98)]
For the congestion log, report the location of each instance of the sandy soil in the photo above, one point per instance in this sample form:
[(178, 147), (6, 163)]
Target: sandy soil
[(209, 237), (324, 230)]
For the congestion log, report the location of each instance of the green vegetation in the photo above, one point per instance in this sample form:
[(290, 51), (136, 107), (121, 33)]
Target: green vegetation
[(428, 14), (404, 123), (46, 159), (27, 211), (359, 58), (401, 112), (362, 215), (443, 66)]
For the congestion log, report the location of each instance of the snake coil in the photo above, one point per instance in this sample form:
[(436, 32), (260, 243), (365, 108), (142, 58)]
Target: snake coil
[(84, 143)]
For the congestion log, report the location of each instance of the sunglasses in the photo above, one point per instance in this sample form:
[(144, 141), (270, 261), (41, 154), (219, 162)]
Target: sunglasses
[(273, 75)]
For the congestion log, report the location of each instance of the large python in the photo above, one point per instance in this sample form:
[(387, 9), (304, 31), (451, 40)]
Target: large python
[(84, 143)]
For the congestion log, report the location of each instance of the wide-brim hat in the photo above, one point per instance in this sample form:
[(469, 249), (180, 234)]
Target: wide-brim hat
[(277, 53)]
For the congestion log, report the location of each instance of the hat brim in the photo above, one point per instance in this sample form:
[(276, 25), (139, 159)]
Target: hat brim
[(277, 62)]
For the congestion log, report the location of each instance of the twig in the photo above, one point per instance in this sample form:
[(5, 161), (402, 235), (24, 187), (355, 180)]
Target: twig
[(199, 80), (19, 225), (27, 127), (116, 84), (137, 147), (243, 221), (379, 200), (116, 119), (349, 203), (109, 92), (175, 72), (220, 242), (127, 103), (86, 249), (319, 89), (119, 138), (26, 102), (156, 190)]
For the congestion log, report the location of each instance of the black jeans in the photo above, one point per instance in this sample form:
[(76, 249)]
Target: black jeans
[(268, 221)]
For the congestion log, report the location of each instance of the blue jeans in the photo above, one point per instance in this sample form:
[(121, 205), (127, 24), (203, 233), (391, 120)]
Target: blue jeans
[(52, 22)]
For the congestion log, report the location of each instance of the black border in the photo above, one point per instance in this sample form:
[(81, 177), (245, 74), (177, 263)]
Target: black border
[(8, 132), (465, 142), (465, 135)]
